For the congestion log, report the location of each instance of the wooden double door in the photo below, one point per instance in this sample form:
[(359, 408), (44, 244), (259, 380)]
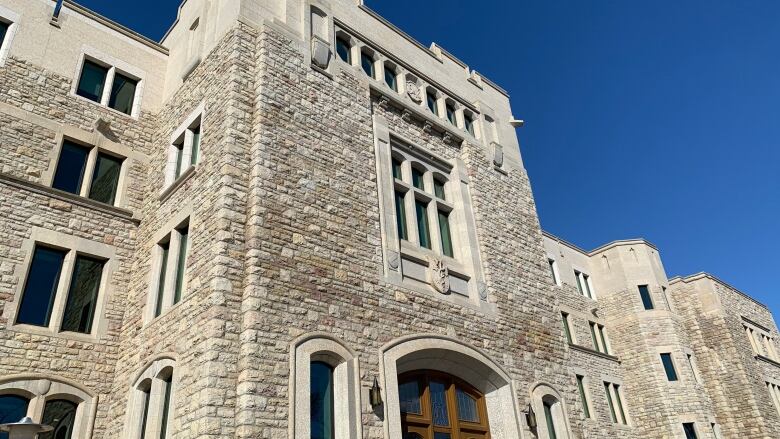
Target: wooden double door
[(435, 405)]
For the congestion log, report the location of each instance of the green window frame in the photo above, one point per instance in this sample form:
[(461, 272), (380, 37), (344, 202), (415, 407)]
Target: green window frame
[(610, 403), (418, 178), (168, 383), (446, 234), (604, 345), (548, 417), (397, 169), (583, 395), (400, 216), (184, 234), (567, 327), (619, 403), (438, 189), (423, 226), (165, 249)]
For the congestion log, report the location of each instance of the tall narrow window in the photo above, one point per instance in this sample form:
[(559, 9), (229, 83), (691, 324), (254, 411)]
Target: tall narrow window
[(397, 169), (690, 430), (105, 180), (446, 236), (70, 167), (553, 270), (41, 287), (594, 336), (647, 300), (321, 401), (164, 250), (82, 297), (166, 408), (548, 417), (61, 414), (184, 234), (451, 114), (391, 78), (195, 153), (12, 409), (430, 99), (179, 157), (774, 392), (668, 362), (400, 216), (147, 398), (367, 63), (92, 81), (123, 93), (468, 122), (610, 402), (583, 284), (344, 50), (423, 227), (438, 189), (583, 395), (619, 404), (567, 327), (3, 31), (604, 345), (693, 367), (418, 180)]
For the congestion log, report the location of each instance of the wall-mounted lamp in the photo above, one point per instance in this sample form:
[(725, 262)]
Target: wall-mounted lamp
[(24, 429), (530, 417), (375, 394)]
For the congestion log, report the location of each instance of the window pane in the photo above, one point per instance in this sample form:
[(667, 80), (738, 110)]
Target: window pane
[(467, 407), (166, 407), (367, 63), (70, 168), (446, 236), (647, 301), (397, 173), (12, 409), (195, 145), (145, 419), (61, 415), (321, 397), (409, 397), (548, 417), (610, 403), (619, 403), (578, 276), (671, 373), (552, 270), (163, 271), (82, 296), (566, 327), (438, 188), (451, 114), (42, 280), (439, 411), (123, 93), (105, 180), (690, 431), (470, 125), (179, 158), (586, 285), (400, 216), (418, 180), (92, 81), (431, 100), (603, 340), (3, 32), (184, 235), (343, 50), (390, 78), (423, 228), (593, 336), (583, 397)]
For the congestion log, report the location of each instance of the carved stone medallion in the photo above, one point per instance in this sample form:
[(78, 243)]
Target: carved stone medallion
[(413, 90), (393, 260), (482, 288), (439, 275)]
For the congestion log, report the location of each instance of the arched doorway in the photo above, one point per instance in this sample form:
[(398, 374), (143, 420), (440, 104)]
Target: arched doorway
[(436, 405)]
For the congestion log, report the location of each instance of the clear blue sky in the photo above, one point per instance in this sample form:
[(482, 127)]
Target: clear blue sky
[(644, 119)]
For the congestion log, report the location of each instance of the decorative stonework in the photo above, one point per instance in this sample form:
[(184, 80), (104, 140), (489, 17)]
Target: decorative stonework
[(414, 92), (439, 275), (393, 259), (482, 289)]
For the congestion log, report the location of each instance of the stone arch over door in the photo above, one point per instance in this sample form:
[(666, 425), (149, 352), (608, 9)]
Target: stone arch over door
[(451, 356)]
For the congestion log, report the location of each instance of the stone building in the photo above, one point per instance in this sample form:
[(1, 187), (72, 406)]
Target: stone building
[(289, 219)]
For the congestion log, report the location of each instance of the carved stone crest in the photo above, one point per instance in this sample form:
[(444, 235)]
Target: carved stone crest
[(413, 90), (482, 289), (439, 275), (393, 259)]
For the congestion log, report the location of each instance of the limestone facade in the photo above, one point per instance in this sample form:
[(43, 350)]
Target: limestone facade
[(303, 182)]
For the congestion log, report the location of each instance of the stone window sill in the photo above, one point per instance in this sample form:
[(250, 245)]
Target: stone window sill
[(67, 197), (768, 360), (588, 350), (179, 182), (48, 332), (105, 107)]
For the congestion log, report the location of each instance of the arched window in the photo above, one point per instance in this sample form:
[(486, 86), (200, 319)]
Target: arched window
[(150, 414), (437, 405), (550, 413), (56, 402), (12, 409), (325, 391)]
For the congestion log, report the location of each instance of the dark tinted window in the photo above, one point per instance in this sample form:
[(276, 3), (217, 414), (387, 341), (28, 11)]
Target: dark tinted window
[(82, 296), (123, 93), (92, 81), (105, 180), (12, 409), (367, 63), (61, 415), (451, 114), (469, 122), (647, 301), (184, 235), (430, 98), (690, 431), (3, 32), (343, 50), (41, 287), (321, 399), (390, 78), (166, 407), (70, 168), (671, 372)]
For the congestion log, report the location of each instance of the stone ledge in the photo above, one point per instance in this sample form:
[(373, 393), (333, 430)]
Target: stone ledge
[(588, 350), (179, 182), (124, 214), (768, 360)]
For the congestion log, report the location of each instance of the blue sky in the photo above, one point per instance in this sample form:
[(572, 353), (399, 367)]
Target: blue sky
[(644, 119)]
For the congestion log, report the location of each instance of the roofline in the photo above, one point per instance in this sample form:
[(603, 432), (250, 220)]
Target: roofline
[(175, 22), (705, 275), (601, 248), (126, 31)]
